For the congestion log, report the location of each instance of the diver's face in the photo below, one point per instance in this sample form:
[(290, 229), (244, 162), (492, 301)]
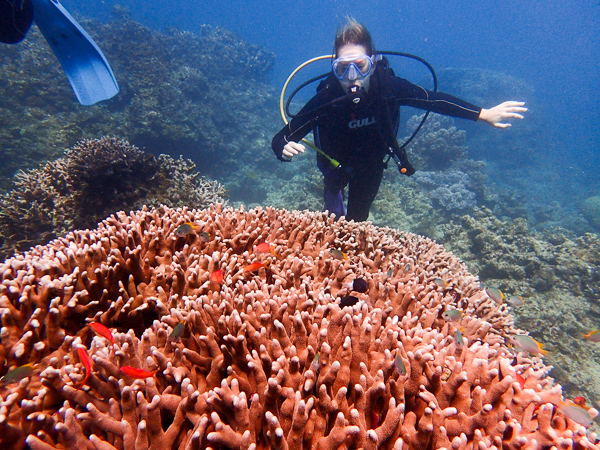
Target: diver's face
[(347, 51)]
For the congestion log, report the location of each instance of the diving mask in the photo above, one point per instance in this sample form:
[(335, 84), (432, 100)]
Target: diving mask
[(352, 67)]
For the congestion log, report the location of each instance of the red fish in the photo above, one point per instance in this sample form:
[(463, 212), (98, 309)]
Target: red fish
[(137, 373), (101, 330), (87, 363), (216, 277), (264, 247), (519, 378), (216, 280), (254, 266)]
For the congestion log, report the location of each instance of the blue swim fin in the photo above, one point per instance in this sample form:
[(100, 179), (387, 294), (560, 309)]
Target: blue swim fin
[(86, 67)]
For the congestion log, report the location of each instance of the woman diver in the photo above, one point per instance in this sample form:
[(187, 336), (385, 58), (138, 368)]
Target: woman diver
[(354, 118)]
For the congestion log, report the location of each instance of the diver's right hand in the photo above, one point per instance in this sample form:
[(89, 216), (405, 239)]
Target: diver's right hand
[(291, 149)]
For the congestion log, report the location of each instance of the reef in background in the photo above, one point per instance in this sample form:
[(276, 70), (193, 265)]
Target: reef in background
[(94, 179), (204, 96)]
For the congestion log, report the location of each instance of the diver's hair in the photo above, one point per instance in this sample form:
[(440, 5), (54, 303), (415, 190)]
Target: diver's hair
[(353, 33)]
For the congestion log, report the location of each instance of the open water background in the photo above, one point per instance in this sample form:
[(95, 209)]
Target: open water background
[(550, 44)]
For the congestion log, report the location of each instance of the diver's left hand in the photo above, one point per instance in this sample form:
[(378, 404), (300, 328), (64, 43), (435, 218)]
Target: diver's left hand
[(507, 110)]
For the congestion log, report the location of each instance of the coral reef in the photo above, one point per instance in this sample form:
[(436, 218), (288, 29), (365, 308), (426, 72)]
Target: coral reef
[(439, 143), (557, 274), (449, 189), (95, 178), (590, 209), (264, 357), (204, 96)]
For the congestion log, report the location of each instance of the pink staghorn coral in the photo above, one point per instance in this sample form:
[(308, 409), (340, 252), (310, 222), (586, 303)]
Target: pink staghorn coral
[(267, 359)]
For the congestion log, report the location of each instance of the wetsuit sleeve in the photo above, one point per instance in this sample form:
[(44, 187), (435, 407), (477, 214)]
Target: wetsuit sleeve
[(409, 94), (299, 126)]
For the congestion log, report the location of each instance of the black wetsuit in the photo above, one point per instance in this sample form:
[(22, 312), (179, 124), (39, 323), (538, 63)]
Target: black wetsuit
[(358, 135)]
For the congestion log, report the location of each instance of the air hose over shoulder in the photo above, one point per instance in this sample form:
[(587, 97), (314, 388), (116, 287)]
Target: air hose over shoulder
[(397, 152)]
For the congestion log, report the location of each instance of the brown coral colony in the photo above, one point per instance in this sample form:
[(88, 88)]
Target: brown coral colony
[(267, 358)]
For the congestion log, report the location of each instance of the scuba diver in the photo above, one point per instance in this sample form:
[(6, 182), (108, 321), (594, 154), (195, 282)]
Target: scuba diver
[(354, 119), (84, 64)]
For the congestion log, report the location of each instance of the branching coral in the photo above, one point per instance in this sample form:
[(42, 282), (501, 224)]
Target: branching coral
[(267, 358), (93, 179)]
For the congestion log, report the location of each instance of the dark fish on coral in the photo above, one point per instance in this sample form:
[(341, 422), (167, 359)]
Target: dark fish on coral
[(204, 236), (452, 315), (358, 285), (348, 300), (17, 374), (495, 294), (101, 330), (515, 301), (185, 229), (338, 254), (177, 331), (407, 267), (460, 342), (527, 344), (440, 283), (399, 364), (316, 362), (137, 373)]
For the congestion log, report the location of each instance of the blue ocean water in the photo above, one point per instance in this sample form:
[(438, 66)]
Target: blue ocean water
[(551, 45)]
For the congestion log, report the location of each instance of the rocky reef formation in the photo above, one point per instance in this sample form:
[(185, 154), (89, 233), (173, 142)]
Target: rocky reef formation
[(204, 96), (95, 178), (557, 274), (590, 209), (211, 343)]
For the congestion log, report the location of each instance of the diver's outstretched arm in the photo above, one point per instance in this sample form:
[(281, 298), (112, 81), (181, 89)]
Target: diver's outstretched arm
[(507, 110)]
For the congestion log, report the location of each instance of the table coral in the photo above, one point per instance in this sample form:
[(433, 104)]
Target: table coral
[(268, 359)]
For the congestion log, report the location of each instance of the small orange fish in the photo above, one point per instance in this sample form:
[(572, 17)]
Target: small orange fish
[(101, 330), (254, 266), (137, 373), (580, 401), (186, 228), (87, 363), (593, 336), (265, 247)]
